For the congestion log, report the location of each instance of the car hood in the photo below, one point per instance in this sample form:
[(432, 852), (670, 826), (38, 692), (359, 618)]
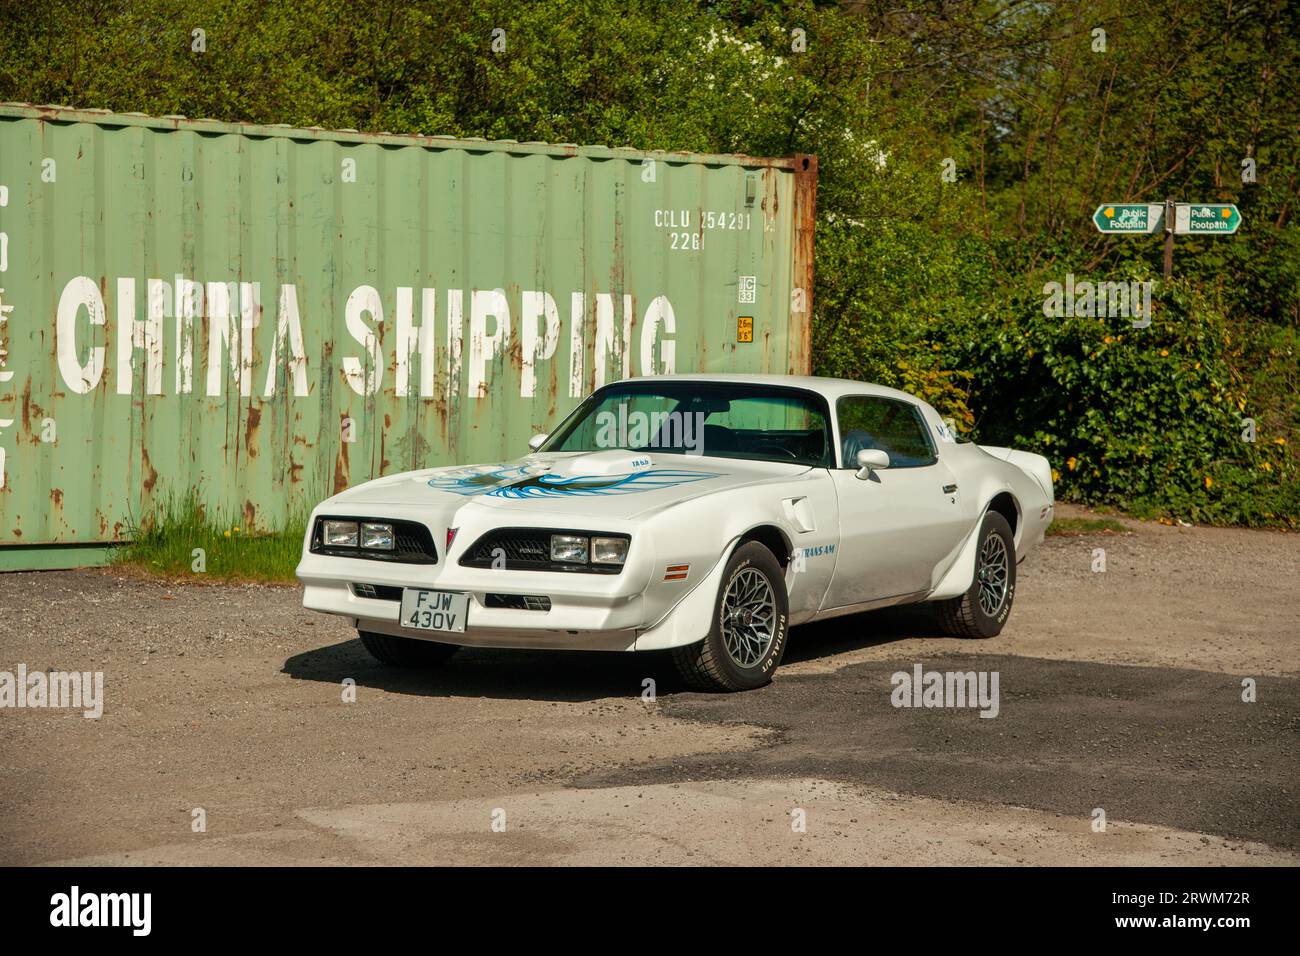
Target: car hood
[(600, 483)]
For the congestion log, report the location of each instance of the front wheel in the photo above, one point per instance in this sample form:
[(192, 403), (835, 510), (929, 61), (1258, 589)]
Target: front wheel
[(750, 619), (985, 606), (404, 651)]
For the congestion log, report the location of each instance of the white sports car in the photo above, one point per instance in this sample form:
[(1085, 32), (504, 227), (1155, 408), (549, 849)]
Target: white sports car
[(701, 513)]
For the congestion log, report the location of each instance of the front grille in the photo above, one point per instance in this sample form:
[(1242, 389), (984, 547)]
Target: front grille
[(413, 544), (529, 549), (377, 592), (514, 547), (518, 602)]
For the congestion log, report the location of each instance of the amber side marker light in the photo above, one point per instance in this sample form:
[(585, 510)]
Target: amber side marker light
[(676, 572)]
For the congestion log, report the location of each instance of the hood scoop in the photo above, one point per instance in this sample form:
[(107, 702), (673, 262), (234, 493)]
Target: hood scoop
[(603, 463)]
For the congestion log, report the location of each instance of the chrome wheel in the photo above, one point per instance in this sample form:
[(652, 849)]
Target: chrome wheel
[(993, 574), (748, 617)]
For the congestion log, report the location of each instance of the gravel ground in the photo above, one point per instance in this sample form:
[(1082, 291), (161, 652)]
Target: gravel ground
[(1119, 690)]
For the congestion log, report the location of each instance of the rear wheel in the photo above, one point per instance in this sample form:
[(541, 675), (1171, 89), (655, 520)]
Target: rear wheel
[(985, 606), (747, 639), (405, 652)]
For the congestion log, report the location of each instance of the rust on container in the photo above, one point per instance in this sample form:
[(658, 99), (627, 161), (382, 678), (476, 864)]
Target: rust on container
[(805, 220), (223, 297)]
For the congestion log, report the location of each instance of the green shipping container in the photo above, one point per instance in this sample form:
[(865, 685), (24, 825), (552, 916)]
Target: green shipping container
[(267, 314)]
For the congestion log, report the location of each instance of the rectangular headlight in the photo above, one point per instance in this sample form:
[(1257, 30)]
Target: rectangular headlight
[(609, 550), (339, 534), (377, 536), (569, 548)]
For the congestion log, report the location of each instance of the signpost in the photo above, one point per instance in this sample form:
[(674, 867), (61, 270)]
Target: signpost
[(1129, 218), (1182, 219), (1206, 219)]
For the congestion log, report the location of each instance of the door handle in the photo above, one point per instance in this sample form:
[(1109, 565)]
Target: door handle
[(949, 489)]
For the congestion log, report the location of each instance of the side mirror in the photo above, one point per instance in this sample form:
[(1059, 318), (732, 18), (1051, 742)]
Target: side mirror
[(537, 441), (869, 459)]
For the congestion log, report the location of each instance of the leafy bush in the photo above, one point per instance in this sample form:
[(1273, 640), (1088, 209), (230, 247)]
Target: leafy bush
[(1149, 419)]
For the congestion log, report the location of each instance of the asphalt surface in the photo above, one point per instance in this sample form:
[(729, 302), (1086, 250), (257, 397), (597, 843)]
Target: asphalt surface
[(1118, 691), (1172, 747)]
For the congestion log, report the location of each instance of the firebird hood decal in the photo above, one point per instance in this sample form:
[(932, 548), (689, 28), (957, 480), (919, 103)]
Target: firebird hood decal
[(530, 481), (547, 486), (482, 479)]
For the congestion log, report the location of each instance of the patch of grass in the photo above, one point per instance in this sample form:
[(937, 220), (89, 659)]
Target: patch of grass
[(180, 539), (1068, 526)]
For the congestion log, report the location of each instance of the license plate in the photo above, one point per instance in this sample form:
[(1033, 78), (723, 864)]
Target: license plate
[(434, 610)]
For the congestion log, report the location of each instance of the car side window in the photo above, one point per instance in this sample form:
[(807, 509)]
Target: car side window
[(892, 426)]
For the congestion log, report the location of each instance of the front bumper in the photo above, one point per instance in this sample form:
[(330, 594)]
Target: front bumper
[(593, 622), (588, 611)]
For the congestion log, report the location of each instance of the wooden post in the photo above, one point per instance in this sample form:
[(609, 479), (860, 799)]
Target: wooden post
[(1170, 210)]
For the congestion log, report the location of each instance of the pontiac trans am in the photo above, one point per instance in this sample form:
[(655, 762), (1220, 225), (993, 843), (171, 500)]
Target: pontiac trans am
[(705, 514)]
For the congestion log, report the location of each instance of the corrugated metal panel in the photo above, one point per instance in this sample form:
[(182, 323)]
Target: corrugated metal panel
[(270, 314)]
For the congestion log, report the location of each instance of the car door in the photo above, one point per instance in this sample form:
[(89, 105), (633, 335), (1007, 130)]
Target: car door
[(901, 523)]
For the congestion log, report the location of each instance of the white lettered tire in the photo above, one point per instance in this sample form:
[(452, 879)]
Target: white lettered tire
[(750, 623), (984, 608)]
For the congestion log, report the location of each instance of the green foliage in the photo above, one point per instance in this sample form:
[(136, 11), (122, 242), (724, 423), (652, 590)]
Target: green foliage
[(165, 540), (1150, 419), (924, 284)]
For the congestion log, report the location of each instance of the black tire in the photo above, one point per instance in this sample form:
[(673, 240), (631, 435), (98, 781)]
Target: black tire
[(404, 651), (966, 616), (708, 665)]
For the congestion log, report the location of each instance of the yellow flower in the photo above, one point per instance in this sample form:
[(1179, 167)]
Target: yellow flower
[(1164, 352), (1266, 466), (227, 534), (1071, 463), (1279, 441), (1056, 475), (1209, 482), (236, 530), (1108, 340)]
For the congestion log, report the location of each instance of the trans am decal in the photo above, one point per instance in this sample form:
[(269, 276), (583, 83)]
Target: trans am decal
[(529, 482)]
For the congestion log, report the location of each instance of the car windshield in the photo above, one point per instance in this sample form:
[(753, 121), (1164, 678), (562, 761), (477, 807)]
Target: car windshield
[(761, 423)]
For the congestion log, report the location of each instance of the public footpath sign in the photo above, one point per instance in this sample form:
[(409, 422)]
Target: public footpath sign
[(1131, 218), (1171, 218), (1206, 219)]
